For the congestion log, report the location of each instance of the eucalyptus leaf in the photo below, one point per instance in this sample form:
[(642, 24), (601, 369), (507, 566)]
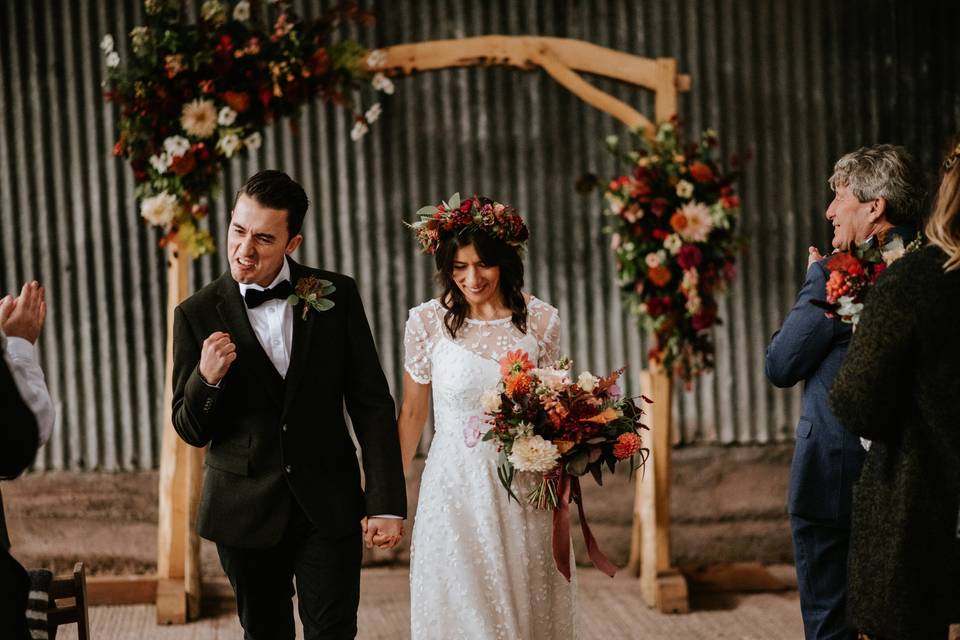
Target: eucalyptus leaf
[(455, 201), (578, 464), (427, 211), (323, 304), (324, 283), (327, 290), (293, 299)]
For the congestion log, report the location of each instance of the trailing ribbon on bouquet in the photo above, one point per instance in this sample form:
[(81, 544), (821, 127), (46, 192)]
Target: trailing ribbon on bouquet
[(568, 488)]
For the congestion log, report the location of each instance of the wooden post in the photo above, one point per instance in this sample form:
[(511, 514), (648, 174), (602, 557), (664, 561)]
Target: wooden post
[(178, 546), (661, 584)]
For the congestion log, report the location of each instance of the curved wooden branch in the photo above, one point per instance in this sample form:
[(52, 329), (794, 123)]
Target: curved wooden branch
[(559, 57)]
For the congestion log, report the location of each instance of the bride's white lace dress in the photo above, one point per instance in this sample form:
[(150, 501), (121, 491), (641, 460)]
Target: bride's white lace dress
[(481, 566)]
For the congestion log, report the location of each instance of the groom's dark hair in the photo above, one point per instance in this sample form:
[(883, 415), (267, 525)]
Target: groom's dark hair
[(277, 190)]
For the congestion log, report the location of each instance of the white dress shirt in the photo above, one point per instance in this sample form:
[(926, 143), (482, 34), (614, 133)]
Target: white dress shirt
[(272, 323), (21, 357)]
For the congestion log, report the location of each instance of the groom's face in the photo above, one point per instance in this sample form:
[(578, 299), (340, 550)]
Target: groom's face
[(258, 242)]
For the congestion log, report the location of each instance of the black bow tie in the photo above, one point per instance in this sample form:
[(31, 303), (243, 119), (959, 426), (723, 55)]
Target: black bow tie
[(255, 297)]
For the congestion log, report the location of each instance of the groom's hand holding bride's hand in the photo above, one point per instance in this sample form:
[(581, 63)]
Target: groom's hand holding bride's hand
[(813, 256), (385, 533), (216, 356)]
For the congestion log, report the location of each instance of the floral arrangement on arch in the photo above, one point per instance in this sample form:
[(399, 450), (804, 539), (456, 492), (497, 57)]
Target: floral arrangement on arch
[(191, 96), (673, 219)]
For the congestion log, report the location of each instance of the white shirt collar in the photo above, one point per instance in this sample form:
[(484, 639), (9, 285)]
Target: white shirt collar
[(283, 275)]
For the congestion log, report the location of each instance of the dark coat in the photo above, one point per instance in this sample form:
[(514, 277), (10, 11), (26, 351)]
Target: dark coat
[(19, 439), (809, 347), (900, 387), (272, 439)]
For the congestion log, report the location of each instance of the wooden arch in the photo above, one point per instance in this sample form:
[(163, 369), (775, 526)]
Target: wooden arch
[(178, 550)]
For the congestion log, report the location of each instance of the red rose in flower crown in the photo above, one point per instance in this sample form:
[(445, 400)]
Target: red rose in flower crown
[(498, 220)]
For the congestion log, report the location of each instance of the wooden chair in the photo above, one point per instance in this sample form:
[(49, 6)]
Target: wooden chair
[(73, 591)]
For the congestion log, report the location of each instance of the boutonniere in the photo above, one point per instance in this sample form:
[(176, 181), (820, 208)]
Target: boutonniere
[(312, 291)]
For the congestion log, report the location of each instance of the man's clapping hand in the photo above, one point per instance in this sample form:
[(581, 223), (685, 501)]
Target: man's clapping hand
[(23, 317), (216, 356)]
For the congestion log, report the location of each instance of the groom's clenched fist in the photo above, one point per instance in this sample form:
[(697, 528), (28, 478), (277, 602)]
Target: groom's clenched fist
[(217, 355)]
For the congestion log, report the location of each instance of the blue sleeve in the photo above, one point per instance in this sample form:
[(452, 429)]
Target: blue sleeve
[(806, 337)]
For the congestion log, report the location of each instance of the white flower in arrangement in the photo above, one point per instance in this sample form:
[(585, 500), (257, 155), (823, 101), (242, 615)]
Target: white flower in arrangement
[(849, 309), (161, 162), (160, 209), (553, 379), (381, 82), (176, 145), (653, 259), (534, 454), (139, 37), (587, 381), (615, 241), (253, 141), (376, 58), (241, 12), (373, 113), (672, 243), (719, 216), (359, 130), (113, 59), (523, 430), (684, 189), (226, 117), (107, 43), (490, 400), (612, 141), (699, 222), (199, 118), (616, 204), (229, 144)]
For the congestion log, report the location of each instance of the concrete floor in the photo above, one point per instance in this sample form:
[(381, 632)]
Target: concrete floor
[(609, 610)]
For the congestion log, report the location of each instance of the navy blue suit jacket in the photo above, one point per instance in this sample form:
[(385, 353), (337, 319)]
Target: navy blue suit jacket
[(810, 347)]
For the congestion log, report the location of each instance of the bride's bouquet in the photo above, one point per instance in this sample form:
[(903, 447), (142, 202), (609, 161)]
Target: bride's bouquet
[(545, 423)]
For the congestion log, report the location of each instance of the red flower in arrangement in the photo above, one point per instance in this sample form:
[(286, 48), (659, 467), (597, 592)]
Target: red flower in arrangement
[(628, 445), (846, 263), (701, 172), (515, 362), (239, 101), (689, 257), (517, 384), (183, 165), (659, 276), (657, 306), (678, 221), (681, 255)]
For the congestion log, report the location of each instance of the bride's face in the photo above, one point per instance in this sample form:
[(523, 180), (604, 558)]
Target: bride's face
[(479, 282)]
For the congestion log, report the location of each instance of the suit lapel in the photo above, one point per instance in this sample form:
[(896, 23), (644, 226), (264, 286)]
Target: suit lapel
[(233, 313), (302, 333)]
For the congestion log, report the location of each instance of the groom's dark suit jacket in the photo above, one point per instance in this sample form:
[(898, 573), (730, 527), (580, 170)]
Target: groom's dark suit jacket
[(275, 440)]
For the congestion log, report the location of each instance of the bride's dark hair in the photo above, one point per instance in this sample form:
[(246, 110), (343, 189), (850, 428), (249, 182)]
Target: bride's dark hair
[(494, 253)]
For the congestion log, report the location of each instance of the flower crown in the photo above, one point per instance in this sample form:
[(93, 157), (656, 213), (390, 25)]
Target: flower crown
[(498, 220)]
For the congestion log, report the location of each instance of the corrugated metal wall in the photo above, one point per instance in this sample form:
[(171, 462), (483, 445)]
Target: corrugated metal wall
[(795, 84)]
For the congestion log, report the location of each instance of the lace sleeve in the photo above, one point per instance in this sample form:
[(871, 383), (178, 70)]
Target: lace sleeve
[(547, 330), (416, 348)]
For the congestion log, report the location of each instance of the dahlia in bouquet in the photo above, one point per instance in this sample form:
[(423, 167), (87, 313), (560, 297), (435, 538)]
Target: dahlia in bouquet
[(546, 423), (853, 274)]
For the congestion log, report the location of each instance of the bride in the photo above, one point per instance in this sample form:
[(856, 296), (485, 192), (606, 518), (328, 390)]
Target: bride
[(481, 566)]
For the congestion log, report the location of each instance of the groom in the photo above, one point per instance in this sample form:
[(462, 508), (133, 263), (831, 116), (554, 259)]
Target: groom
[(264, 383)]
